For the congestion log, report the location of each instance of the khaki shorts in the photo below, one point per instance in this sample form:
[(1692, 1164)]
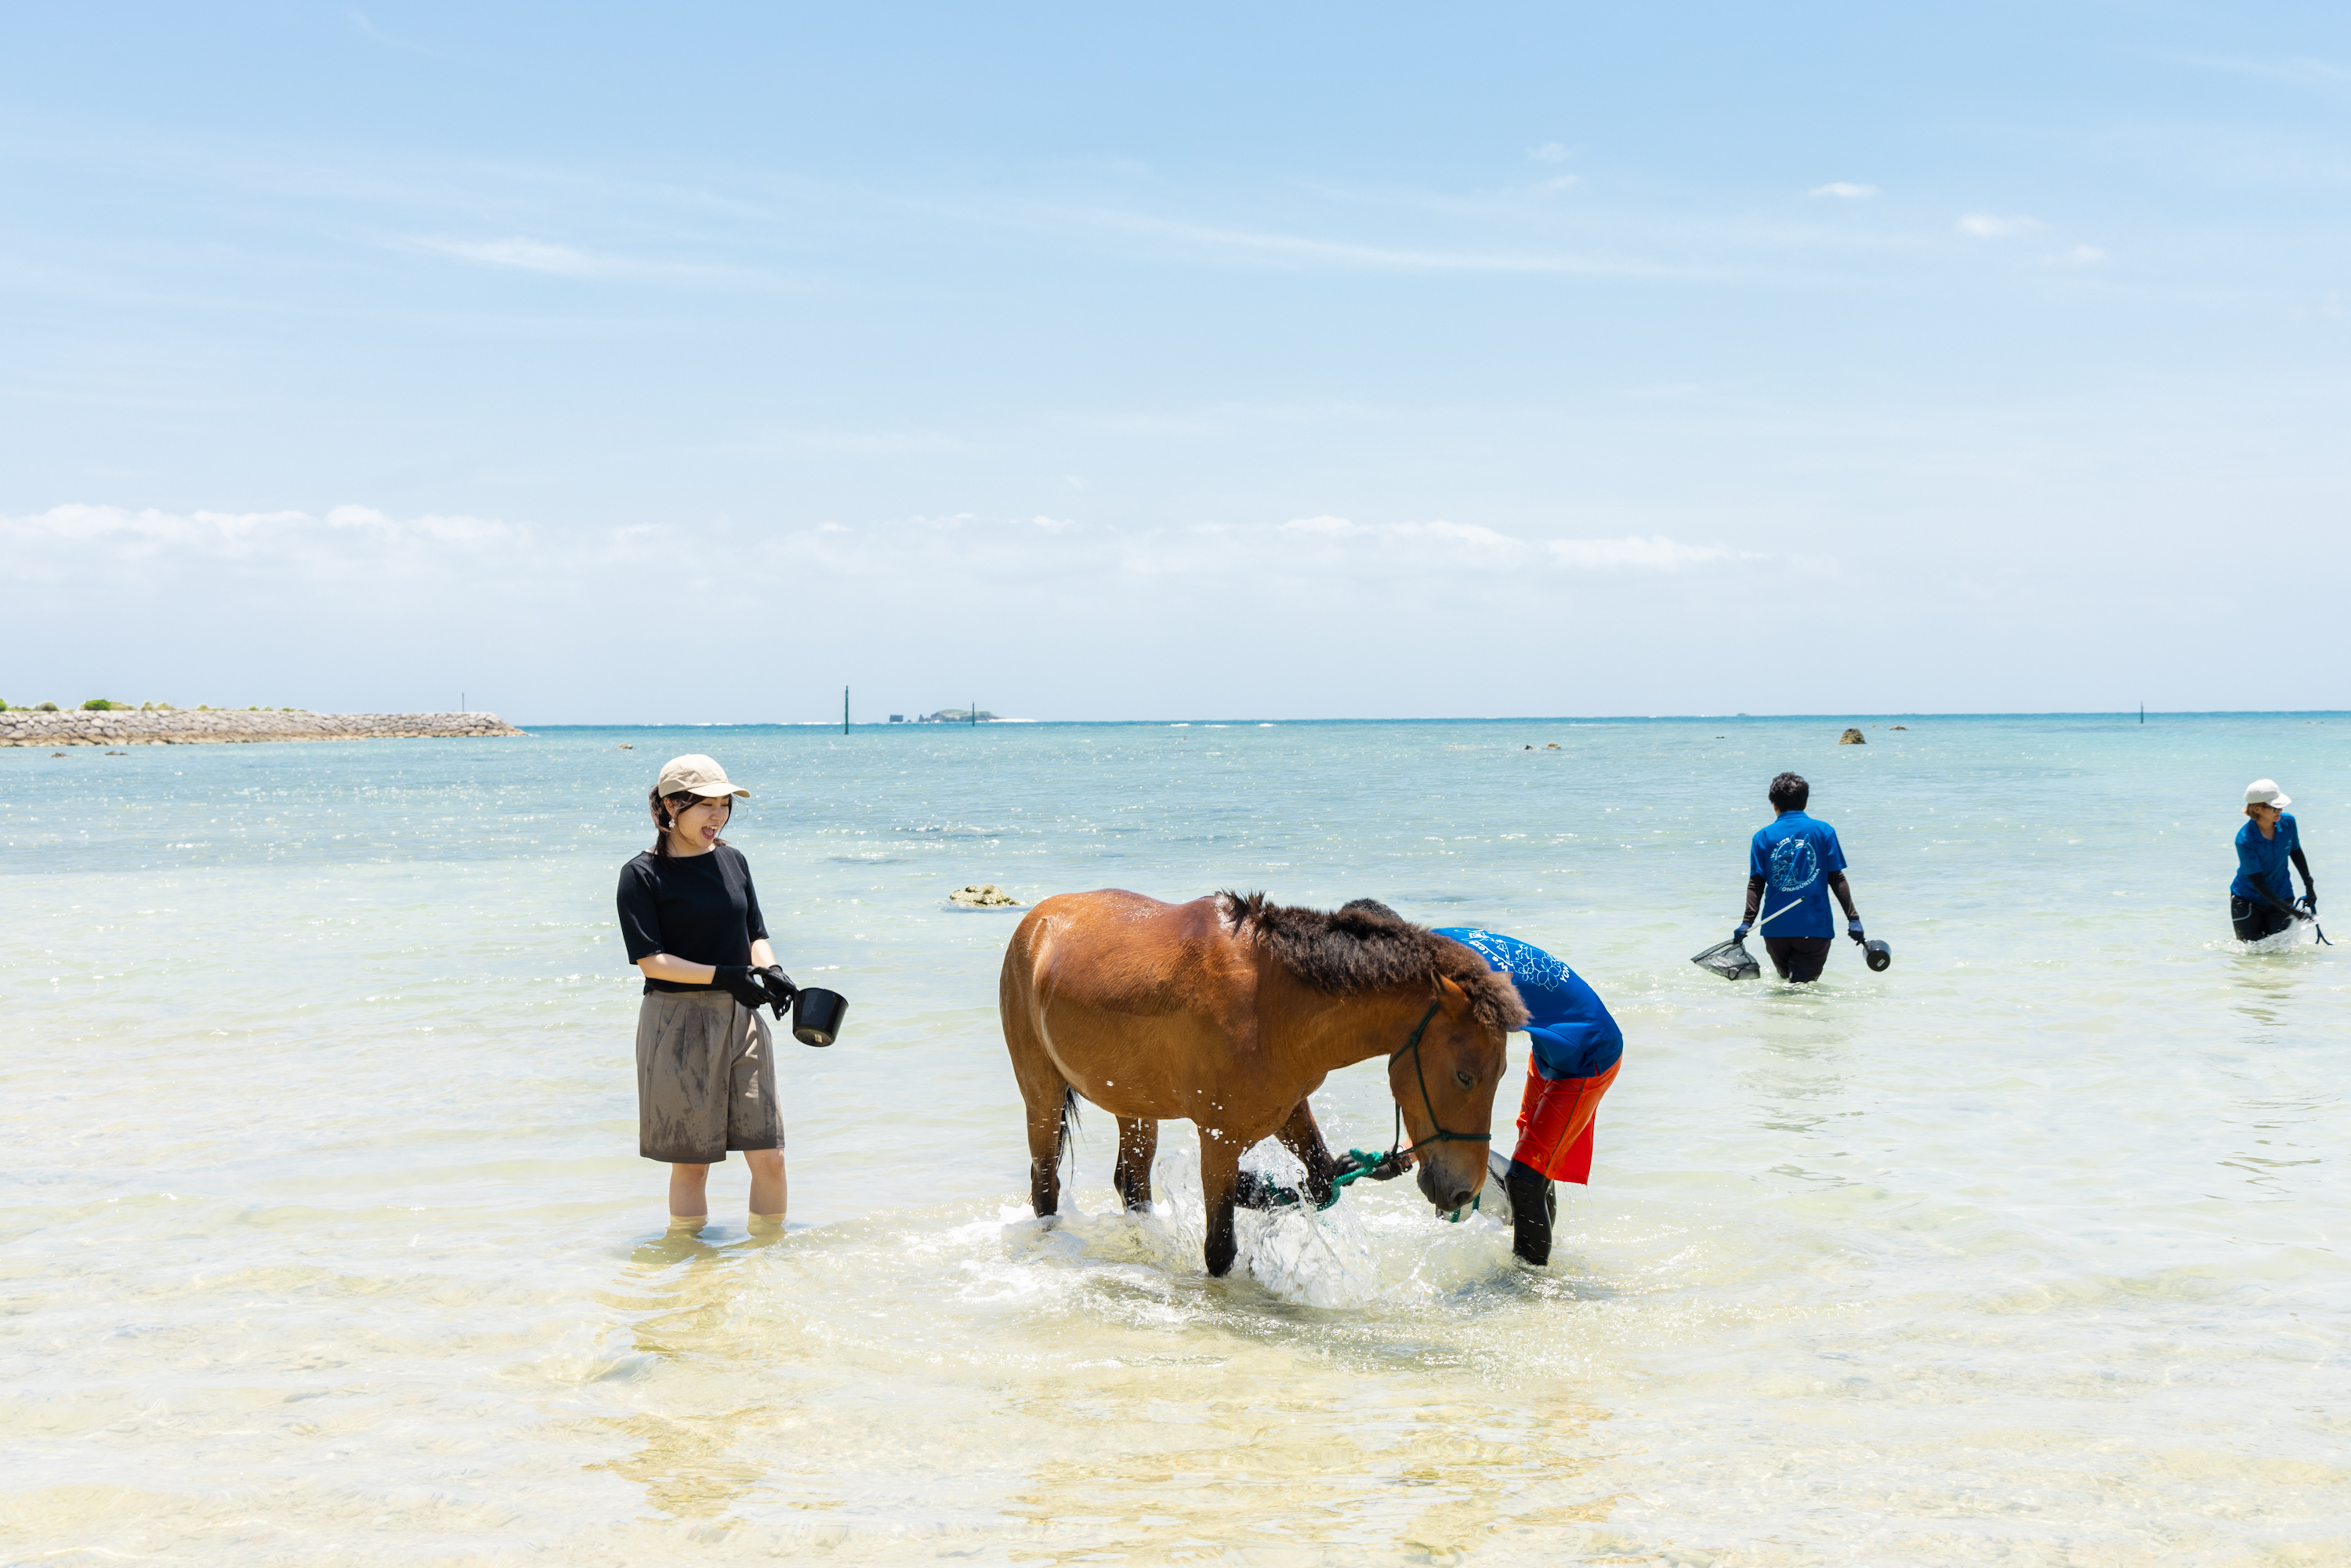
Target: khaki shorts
[(705, 1079)]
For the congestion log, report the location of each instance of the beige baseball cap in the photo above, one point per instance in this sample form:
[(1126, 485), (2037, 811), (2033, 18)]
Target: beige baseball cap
[(2265, 792), (695, 774)]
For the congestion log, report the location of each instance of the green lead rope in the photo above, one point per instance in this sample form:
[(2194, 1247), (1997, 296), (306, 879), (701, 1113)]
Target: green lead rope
[(1255, 1192), (1360, 1163)]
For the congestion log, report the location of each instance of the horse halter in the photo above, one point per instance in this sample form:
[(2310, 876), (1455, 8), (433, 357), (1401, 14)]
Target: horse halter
[(1441, 1136)]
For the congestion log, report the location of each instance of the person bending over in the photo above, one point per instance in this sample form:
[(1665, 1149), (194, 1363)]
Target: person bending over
[(1577, 1049), (1791, 868), (705, 1060), (2260, 902)]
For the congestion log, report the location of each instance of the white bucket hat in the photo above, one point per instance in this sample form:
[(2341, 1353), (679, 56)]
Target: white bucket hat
[(2265, 792)]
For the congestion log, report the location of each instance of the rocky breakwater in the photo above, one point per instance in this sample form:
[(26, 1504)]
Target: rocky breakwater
[(123, 726)]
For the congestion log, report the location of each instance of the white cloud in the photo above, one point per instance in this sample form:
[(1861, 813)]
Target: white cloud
[(1302, 250), (1845, 190), (529, 254), (1549, 153), (367, 30), (1655, 553), (2304, 72), (2080, 255), (1324, 524), (360, 545), (80, 541), (1986, 226), (522, 254), (1429, 545)]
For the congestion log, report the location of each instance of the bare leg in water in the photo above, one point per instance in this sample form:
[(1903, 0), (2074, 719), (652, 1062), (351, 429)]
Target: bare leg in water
[(688, 1187)]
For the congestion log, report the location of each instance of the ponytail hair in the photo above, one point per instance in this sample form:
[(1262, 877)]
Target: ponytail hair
[(665, 810)]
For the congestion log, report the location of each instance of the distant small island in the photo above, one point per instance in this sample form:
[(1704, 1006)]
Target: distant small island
[(947, 716)]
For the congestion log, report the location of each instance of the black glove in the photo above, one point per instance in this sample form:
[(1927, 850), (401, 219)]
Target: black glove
[(780, 989), (1255, 1191), (1739, 932), (1852, 928), (1378, 1167), (744, 983), (2310, 896)]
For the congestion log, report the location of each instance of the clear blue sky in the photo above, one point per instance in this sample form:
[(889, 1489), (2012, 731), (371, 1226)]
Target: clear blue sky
[(690, 362)]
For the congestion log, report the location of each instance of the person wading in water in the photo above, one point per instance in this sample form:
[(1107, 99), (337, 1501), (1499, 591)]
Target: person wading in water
[(1793, 865), (2260, 901), (705, 1060), (1577, 1049)]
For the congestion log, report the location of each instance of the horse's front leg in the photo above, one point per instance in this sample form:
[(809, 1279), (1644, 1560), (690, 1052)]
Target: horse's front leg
[(1220, 1176), (1138, 1141), (1304, 1137)]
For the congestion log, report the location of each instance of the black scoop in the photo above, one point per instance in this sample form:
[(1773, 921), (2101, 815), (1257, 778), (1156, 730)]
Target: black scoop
[(1878, 954), (816, 1014)]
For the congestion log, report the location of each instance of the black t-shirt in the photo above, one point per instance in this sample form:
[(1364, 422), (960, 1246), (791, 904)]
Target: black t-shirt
[(701, 908)]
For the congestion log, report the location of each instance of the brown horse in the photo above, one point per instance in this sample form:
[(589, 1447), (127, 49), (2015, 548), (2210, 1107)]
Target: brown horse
[(1229, 1012)]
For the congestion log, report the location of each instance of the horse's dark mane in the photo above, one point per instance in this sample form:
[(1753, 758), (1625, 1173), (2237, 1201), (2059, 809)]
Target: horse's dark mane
[(1368, 946)]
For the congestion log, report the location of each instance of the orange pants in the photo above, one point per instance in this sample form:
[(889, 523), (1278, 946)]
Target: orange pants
[(1555, 1121)]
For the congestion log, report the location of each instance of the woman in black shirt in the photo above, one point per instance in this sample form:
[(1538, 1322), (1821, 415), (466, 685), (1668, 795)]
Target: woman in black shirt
[(706, 1060)]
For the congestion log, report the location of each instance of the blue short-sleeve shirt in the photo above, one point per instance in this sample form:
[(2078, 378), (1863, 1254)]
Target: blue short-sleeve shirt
[(1794, 857), (2265, 858), (1574, 1035)]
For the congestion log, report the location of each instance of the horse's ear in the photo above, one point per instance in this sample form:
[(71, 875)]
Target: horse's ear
[(1454, 1001)]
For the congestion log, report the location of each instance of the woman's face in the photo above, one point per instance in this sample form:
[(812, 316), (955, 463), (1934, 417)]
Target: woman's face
[(697, 826), (2266, 816)]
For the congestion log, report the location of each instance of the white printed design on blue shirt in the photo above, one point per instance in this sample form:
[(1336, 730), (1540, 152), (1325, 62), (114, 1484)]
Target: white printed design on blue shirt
[(1795, 864), (1529, 965)]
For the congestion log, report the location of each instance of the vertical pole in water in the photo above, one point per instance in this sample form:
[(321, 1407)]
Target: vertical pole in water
[(461, 702), (975, 713), (844, 710), (2142, 713)]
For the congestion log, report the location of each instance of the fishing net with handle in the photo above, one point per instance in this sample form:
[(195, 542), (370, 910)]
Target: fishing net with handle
[(1730, 959)]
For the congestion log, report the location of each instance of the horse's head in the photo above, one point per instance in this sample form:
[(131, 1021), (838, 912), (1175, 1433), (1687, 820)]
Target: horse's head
[(1446, 1084)]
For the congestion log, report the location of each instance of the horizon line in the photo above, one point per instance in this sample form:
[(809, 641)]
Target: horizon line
[(1470, 718)]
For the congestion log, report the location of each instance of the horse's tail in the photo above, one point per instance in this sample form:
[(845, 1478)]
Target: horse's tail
[(1069, 1128)]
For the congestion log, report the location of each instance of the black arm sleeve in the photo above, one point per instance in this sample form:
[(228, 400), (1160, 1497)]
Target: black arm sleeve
[(2270, 895), (755, 925), (1754, 899), (1844, 891), (2301, 865), (640, 930)]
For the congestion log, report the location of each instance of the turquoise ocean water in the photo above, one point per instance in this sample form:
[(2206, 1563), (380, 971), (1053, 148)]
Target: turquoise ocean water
[(323, 1237)]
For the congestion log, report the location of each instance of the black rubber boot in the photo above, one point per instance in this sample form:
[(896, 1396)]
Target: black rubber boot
[(1534, 1204)]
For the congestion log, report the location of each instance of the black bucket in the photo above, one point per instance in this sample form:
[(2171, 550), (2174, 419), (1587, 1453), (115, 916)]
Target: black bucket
[(816, 1016), (1878, 954)]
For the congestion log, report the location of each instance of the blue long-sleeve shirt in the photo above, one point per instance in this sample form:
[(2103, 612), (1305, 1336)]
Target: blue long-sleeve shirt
[(2261, 860), (1574, 1035)]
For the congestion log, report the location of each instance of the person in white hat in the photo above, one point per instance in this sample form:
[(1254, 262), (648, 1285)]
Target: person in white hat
[(2261, 899), (706, 1060)]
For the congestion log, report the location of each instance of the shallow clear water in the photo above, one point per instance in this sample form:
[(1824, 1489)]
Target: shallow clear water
[(324, 1237)]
